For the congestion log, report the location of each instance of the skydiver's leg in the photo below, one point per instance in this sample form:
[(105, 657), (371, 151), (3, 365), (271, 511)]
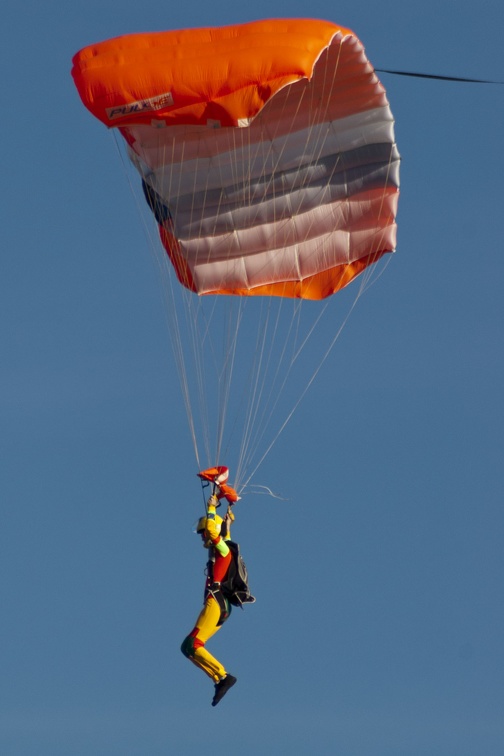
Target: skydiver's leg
[(193, 646)]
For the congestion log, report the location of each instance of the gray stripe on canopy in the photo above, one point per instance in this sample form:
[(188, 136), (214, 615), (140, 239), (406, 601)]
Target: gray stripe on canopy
[(282, 195)]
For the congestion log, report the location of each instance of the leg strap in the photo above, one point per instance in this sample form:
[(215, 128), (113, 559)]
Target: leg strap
[(224, 606)]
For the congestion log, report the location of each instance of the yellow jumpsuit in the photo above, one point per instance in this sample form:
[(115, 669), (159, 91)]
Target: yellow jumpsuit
[(215, 610)]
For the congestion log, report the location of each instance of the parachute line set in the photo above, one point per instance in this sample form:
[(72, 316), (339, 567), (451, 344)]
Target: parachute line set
[(266, 157)]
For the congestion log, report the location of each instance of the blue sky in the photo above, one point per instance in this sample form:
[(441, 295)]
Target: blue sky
[(379, 621)]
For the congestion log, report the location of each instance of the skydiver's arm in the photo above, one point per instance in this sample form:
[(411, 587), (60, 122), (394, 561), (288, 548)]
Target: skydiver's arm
[(228, 519), (213, 530)]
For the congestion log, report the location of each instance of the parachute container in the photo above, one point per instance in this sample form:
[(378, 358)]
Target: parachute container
[(266, 151)]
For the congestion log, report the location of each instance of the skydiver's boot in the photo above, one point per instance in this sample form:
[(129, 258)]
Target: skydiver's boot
[(222, 687)]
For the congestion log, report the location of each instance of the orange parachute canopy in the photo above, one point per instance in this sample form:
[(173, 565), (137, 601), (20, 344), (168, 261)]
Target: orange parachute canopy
[(266, 151)]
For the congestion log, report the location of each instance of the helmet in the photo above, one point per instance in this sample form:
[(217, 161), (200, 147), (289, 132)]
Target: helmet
[(202, 523)]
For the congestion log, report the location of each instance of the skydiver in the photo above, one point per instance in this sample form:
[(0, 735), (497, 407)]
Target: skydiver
[(214, 532)]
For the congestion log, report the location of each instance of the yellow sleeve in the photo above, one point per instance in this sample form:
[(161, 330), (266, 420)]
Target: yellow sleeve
[(213, 530)]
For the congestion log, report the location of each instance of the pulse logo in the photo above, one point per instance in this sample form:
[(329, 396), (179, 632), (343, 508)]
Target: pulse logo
[(132, 108)]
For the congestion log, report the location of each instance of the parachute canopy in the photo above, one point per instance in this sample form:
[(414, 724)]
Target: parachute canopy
[(266, 151)]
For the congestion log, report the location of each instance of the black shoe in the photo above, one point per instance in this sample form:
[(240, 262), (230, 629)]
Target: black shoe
[(222, 687)]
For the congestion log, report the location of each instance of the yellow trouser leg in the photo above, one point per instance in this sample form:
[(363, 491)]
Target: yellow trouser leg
[(193, 645)]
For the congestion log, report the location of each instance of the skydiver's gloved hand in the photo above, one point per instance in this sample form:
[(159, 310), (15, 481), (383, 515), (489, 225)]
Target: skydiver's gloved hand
[(212, 504)]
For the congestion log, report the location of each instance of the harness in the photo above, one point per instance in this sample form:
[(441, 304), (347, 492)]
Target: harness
[(214, 590)]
